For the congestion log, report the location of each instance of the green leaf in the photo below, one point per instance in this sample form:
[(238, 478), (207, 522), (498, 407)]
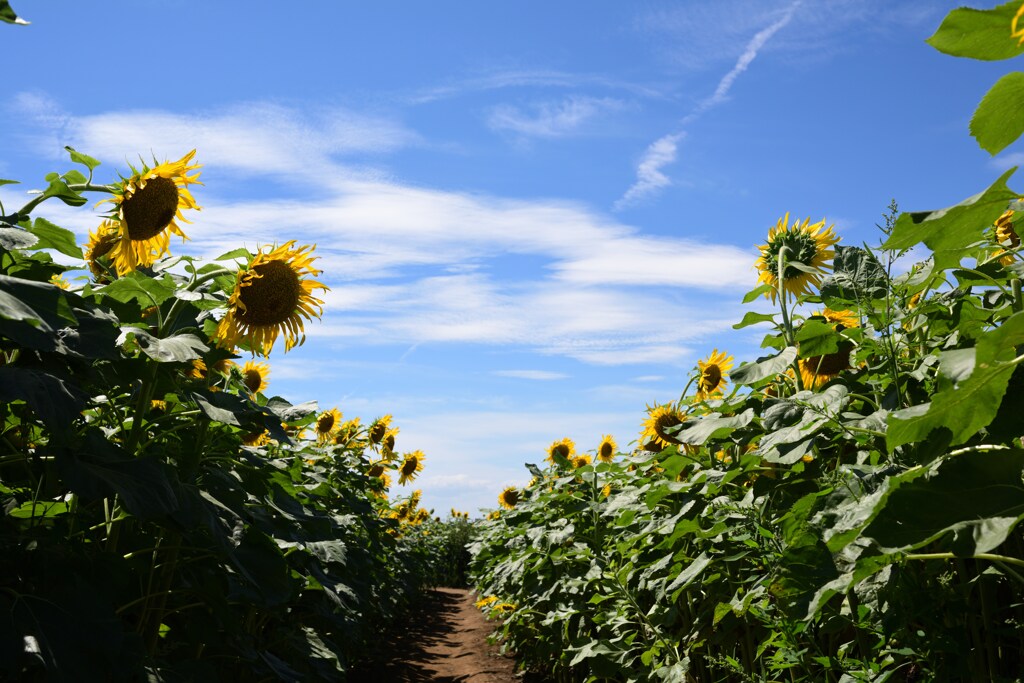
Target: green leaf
[(241, 252), (976, 496), (978, 34), (856, 276), (817, 338), (752, 318), (4, 181), (16, 238), (767, 366), (7, 14), (178, 348), (955, 227), (59, 188), (970, 404), (795, 420), (136, 286), (55, 237), (688, 575), (227, 408), (54, 400), (83, 159), (757, 292), (998, 120), (714, 426)]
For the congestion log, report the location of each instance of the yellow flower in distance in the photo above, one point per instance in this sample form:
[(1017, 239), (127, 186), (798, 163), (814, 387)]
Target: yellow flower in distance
[(254, 376), (608, 448), (147, 206), (1006, 235), (580, 460), (509, 497), (659, 420), (412, 464), (808, 244), (485, 602), (327, 425), (564, 447), (713, 375), (379, 429), (271, 297)]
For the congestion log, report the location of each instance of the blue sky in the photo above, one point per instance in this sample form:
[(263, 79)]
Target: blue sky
[(534, 217)]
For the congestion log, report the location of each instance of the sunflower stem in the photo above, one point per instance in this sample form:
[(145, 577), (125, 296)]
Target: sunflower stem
[(24, 211), (787, 324), (1018, 303)]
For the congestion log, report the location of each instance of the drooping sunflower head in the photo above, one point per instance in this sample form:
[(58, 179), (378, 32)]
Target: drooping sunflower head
[(254, 376), (1006, 235), (713, 377), (101, 241), (509, 497), (411, 465), (659, 420), (274, 295), (147, 207), (327, 424), (608, 448), (565, 448), (807, 244), (379, 429)]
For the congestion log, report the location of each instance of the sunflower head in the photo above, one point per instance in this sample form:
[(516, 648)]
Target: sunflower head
[(580, 460), (1006, 235), (274, 295), (411, 465), (713, 375), (147, 207), (376, 469), (509, 497), (256, 438), (660, 419), (564, 448), (101, 241), (608, 448), (327, 424), (807, 244), (486, 602), (819, 370), (379, 429), (254, 376)]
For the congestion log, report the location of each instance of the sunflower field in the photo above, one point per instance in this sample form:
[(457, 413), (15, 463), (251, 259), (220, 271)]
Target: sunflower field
[(844, 508), (165, 516)]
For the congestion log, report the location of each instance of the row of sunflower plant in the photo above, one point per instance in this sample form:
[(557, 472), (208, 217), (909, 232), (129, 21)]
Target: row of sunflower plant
[(845, 508), (165, 516)]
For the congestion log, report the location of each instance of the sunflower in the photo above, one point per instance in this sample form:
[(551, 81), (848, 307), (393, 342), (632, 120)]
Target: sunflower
[(376, 469), (565, 448), (819, 370), (486, 602), (659, 420), (272, 296), (256, 438), (379, 429), (504, 608), (608, 448), (713, 376), (254, 376), (412, 463), (99, 245), (509, 497), (808, 244), (1006, 235), (1016, 31), (58, 281), (580, 460), (147, 206), (327, 425), (606, 490)]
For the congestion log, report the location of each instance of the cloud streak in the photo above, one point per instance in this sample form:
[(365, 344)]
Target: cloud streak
[(551, 119), (650, 178)]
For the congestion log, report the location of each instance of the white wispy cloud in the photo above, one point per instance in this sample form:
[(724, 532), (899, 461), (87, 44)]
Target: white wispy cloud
[(662, 152), (551, 119), (538, 375), (410, 265)]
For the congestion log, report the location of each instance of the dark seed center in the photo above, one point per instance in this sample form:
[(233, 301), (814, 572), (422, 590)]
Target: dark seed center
[(710, 378), (272, 298), (253, 380), (325, 423), (151, 209)]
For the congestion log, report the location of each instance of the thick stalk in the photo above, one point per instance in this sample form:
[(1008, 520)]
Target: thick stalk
[(787, 325)]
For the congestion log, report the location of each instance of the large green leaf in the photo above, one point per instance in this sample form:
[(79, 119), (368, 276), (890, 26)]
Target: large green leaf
[(796, 420), (58, 188), (977, 496), (978, 34), (7, 14), (817, 338), (177, 348), (52, 398), (998, 120), (970, 390), (136, 286), (954, 228), (762, 368), (856, 276), (16, 238), (80, 158), (714, 426), (55, 237)]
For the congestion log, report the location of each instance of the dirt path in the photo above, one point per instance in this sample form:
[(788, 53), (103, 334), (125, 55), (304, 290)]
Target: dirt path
[(445, 643)]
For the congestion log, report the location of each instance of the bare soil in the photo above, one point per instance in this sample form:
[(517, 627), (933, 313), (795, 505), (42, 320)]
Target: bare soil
[(446, 642)]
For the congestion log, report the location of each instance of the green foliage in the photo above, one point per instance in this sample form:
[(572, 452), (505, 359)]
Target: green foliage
[(978, 34), (997, 121)]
